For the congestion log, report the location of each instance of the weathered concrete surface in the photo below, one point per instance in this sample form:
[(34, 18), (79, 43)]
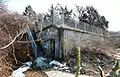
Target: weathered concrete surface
[(73, 39), (55, 73)]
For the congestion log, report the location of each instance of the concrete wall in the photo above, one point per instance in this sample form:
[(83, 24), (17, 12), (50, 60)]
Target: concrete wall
[(66, 37), (74, 38)]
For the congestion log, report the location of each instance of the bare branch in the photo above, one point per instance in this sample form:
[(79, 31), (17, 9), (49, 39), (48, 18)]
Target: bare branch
[(30, 41), (11, 41), (101, 72)]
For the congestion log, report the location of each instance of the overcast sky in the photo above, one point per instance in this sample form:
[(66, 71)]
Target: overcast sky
[(109, 8)]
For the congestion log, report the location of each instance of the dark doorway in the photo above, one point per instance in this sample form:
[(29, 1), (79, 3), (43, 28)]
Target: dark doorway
[(52, 48)]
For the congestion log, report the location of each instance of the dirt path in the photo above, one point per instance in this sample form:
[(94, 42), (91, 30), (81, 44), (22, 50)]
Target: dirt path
[(55, 73)]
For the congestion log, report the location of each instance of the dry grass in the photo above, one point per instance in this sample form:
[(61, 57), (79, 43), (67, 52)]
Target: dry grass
[(94, 55), (11, 24)]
